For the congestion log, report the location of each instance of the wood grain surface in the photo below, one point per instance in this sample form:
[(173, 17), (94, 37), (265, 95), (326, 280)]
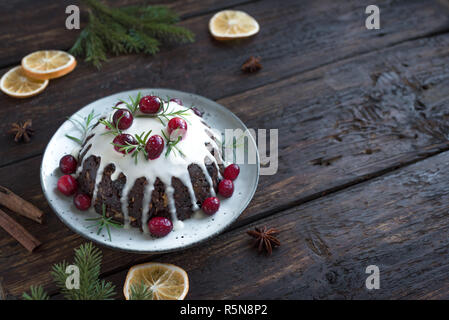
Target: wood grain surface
[(363, 134)]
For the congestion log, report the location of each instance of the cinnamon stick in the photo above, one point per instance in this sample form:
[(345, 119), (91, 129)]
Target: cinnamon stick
[(18, 232), (20, 206)]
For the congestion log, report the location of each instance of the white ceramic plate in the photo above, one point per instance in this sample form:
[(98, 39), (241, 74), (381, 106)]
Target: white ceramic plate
[(132, 240)]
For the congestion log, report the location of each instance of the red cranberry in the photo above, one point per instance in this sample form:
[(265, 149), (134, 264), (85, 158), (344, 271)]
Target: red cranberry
[(124, 139), (118, 103), (67, 185), (231, 172), (197, 112), (226, 188), (122, 119), (176, 100), (154, 147), (177, 127), (150, 104), (82, 201), (160, 226), (211, 205), (67, 164)]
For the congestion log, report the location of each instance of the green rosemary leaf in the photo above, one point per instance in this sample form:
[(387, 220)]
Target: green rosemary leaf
[(163, 134), (171, 144), (76, 122), (113, 129), (83, 125), (74, 139), (103, 222), (145, 140)]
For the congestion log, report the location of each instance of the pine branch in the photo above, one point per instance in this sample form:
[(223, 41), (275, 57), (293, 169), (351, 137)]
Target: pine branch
[(152, 14), (130, 29), (88, 259), (140, 292), (36, 293)]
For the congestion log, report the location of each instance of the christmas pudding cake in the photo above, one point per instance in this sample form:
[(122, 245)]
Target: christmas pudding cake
[(150, 164)]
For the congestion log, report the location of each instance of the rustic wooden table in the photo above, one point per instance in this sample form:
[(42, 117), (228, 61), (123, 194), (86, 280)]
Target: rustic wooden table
[(363, 145)]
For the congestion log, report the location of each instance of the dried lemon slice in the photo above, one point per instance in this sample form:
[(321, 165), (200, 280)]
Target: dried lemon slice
[(166, 281), (48, 64), (232, 24), (16, 84)]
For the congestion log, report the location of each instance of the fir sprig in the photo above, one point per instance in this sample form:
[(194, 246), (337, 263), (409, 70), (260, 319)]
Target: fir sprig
[(164, 113), (140, 292), (171, 144), (83, 125), (104, 222), (129, 29), (136, 149), (88, 259), (36, 293)]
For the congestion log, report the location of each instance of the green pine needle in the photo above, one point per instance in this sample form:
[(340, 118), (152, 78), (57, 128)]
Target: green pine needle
[(140, 292), (88, 259), (36, 293), (129, 29)]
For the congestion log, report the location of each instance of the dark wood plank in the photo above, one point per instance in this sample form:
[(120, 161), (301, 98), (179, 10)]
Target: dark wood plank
[(329, 126), (398, 222), (343, 87), (295, 36), (38, 25)]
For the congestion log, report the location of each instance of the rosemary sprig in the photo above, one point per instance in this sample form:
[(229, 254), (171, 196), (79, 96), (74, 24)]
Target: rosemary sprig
[(164, 113), (104, 222), (132, 105), (111, 127), (83, 125), (171, 144), (135, 149)]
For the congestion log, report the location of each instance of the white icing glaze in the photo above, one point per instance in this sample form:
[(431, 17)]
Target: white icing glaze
[(178, 225), (164, 168)]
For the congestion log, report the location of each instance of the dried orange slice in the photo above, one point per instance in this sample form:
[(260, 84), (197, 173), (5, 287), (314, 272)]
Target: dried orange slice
[(166, 281), (48, 64), (232, 24), (16, 84)]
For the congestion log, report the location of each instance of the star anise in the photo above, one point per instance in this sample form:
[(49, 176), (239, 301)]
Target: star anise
[(22, 131), (252, 64), (265, 238)]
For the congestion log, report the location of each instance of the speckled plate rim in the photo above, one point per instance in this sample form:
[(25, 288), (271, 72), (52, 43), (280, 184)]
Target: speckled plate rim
[(49, 194)]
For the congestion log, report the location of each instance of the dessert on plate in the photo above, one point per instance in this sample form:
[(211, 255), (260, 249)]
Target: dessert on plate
[(150, 163)]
